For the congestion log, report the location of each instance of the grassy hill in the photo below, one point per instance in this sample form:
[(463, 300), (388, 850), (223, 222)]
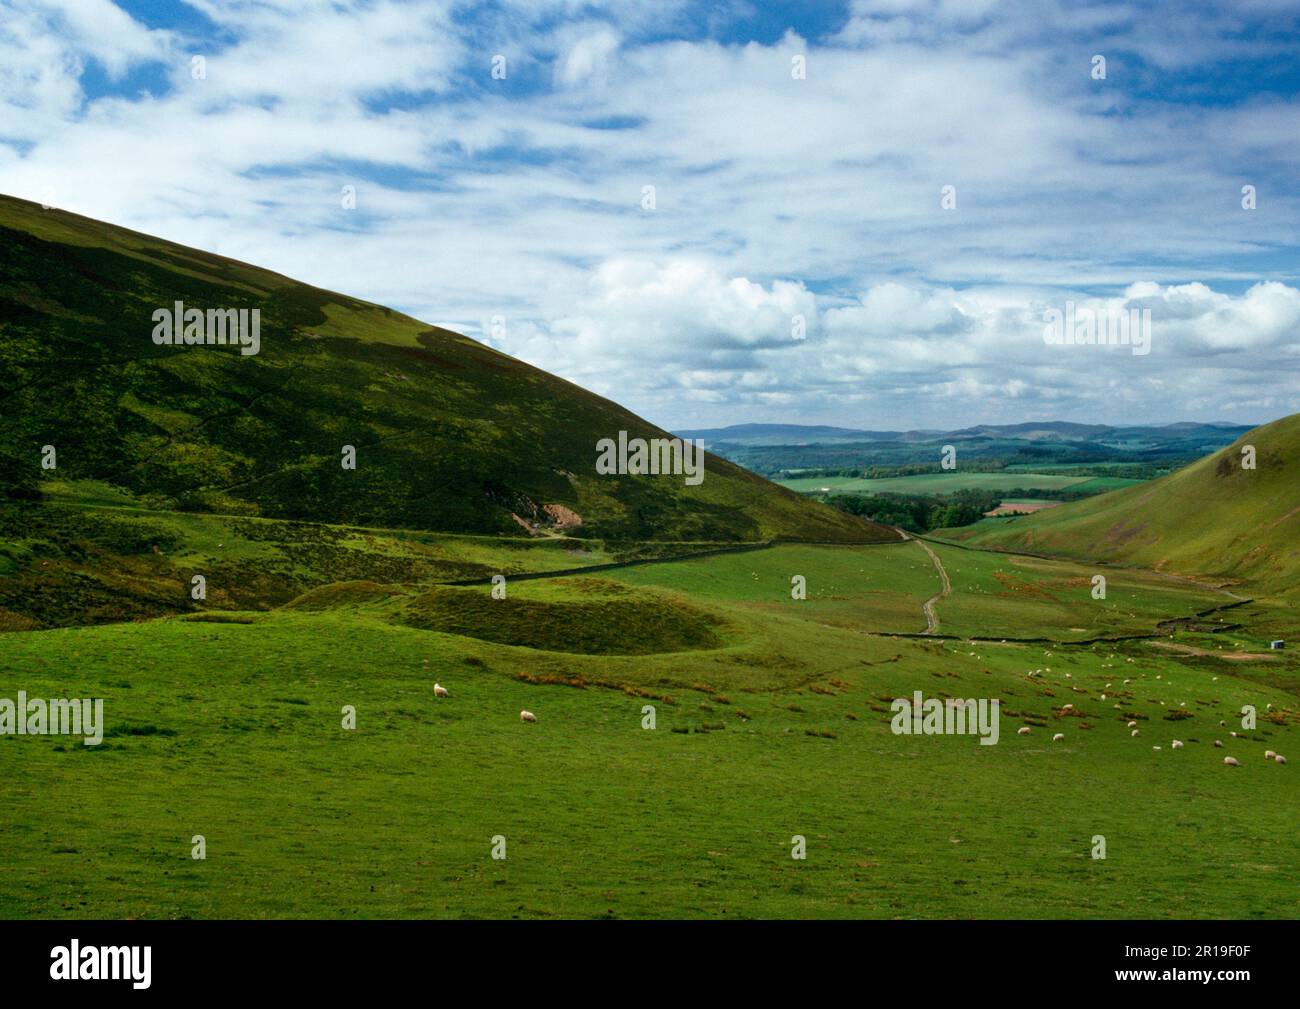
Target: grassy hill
[(449, 434), (779, 727), (1212, 518)]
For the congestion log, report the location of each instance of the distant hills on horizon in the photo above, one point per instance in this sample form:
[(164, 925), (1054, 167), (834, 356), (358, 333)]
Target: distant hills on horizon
[(818, 434)]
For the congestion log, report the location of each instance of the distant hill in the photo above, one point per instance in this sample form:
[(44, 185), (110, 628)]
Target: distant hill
[(1213, 518), (449, 434), (786, 434), (804, 434), (788, 450)]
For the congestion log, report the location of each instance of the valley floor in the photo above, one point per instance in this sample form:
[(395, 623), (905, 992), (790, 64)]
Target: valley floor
[(771, 722)]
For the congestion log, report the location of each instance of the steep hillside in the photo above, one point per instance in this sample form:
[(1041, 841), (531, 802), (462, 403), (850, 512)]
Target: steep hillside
[(1213, 518), (448, 434)]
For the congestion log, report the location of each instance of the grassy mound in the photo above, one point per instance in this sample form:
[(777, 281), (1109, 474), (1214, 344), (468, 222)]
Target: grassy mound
[(341, 594), (585, 616)]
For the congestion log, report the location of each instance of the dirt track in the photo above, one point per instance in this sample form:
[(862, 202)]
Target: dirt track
[(931, 615)]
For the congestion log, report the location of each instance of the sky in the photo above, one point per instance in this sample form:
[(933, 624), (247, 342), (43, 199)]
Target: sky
[(858, 213)]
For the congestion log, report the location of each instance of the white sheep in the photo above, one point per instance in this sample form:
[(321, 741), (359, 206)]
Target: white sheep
[(439, 690), (1177, 744), (1279, 759), (1058, 737), (1269, 754), (1133, 733), (527, 716), (1067, 707), (1219, 743), (1232, 761), (1132, 724), (1023, 730)]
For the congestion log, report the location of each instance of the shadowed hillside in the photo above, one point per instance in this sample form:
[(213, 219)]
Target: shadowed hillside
[(449, 434), (1213, 518)]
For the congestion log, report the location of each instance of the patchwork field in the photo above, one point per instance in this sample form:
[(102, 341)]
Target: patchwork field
[(772, 720), (947, 483)]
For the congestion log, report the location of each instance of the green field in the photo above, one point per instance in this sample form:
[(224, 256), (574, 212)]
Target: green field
[(776, 725), (998, 594), (947, 483)]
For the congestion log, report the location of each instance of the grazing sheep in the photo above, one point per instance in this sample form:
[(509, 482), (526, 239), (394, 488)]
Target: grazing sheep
[(1269, 754), (1066, 707), (1279, 759), (527, 716), (1232, 761), (1219, 743), (1155, 747), (1233, 734), (1133, 733), (1058, 737), (1132, 724), (1177, 744), (439, 690), (1023, 730)]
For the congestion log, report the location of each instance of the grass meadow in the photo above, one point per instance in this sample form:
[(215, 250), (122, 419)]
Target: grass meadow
[(229, 726)]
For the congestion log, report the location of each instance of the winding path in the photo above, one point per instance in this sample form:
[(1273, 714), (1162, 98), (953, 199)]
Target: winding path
[(931, 616)]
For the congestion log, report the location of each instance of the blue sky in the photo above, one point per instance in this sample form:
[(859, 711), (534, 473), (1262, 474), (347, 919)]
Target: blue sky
[(520, 199)]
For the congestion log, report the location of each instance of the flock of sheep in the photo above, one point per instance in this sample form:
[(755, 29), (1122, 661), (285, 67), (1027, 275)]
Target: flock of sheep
[(1176, 744), (527, 716)]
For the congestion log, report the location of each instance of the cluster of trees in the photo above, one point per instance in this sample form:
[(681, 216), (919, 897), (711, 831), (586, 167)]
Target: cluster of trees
[(918, 513)]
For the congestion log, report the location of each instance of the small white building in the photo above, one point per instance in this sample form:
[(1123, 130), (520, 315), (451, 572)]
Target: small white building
[(1277, 646)]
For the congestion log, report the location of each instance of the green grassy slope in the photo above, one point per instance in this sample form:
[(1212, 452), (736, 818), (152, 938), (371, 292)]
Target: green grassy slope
[(1212, 518), (778, 728), (450, 435)]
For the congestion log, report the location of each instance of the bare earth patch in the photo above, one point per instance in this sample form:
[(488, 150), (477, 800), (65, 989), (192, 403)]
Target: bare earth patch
[(1230, 656)]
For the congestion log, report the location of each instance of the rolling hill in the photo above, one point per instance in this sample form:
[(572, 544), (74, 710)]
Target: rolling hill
[(788, 450), (1213, 518), (449, 434)]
